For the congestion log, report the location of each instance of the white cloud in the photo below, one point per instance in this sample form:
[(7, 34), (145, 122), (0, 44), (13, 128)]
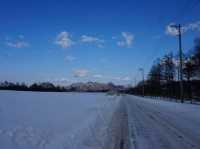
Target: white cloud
[(19, 42), (98, 76), (116, 78), (63, 39), (171, 30), (92, 39), (195, 26), (122, 78), (127, 41), (192, 26), (126, 79), (60, 81), (69, 58), (80, 73)]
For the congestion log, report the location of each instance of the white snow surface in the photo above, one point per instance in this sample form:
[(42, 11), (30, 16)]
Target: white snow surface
[(159, 124), (34, 120)]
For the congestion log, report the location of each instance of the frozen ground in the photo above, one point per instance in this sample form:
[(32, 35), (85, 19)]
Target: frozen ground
[(158, 124), (31, 120)]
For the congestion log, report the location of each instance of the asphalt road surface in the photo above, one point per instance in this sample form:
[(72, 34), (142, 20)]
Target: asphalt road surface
[(157, 124)]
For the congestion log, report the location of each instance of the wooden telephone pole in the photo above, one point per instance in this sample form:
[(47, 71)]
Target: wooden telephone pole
[(178, 27)]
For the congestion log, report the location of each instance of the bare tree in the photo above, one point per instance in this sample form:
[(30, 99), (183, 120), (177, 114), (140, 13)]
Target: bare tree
[(188, 73)]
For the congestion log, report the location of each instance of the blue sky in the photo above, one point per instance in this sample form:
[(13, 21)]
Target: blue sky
[(70, 41)]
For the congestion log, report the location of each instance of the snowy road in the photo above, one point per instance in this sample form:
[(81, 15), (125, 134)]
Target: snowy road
[(157, 124)]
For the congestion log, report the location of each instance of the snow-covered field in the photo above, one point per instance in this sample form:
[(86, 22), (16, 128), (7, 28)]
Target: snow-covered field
[(32, 120)]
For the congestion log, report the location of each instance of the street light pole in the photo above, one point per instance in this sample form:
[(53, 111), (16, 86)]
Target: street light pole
[(135, 81), (142, 72)]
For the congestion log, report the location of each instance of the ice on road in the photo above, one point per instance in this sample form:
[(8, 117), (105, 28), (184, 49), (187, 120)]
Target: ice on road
[(157, 124)]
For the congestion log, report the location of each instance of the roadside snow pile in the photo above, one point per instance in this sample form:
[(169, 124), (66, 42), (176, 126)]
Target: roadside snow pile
[(188, 101), (55, 120), (185, 110)]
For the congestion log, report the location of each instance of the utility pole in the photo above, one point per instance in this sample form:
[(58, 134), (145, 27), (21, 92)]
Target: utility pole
[(178, 27), (142, 72)]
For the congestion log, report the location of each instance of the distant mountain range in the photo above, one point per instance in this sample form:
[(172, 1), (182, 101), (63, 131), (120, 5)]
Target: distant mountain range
[(94, 87)]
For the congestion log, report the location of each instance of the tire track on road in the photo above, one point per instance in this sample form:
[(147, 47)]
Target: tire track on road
[(152, 130), (118, 129)]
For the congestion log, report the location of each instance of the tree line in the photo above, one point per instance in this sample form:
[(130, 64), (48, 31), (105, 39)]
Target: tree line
[(50, 87), (163, 77), (44, 86)]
